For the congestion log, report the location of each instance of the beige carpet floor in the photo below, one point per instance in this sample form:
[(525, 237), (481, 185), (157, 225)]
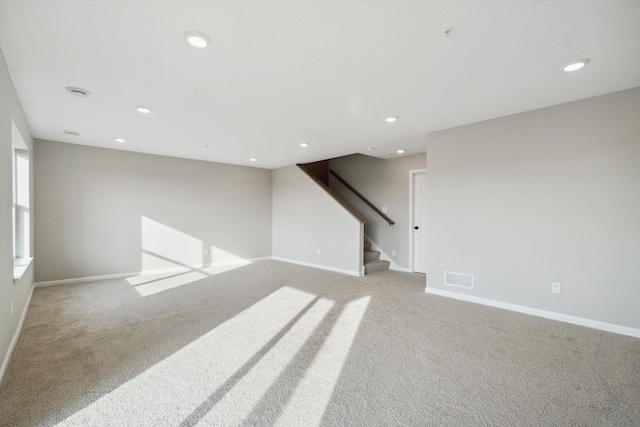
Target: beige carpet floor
[(272, 343)]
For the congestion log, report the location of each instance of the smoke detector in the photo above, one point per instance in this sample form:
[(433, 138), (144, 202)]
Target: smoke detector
[(82, 93)]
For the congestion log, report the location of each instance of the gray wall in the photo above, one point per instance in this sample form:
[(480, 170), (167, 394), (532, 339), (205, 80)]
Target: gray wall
[(18, 292), (306, 218), (551, 195), (384, 183), (103, 212)]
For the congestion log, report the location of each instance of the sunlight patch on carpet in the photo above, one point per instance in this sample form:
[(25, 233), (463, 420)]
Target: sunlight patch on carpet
[(171, 390), (152, 284), (312, 396), (169, 283), (251, 389)]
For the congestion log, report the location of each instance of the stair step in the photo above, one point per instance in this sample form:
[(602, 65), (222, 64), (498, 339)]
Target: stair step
[(371, 256), (373, 266), (367, 246)]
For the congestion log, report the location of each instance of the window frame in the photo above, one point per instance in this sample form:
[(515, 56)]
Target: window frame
[(21, 212)]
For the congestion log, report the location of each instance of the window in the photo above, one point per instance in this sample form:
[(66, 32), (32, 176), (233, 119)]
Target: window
[(21, 208)]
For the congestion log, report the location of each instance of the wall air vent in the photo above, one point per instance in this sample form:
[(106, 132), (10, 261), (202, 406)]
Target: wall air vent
[(82, 93), (460, 280)]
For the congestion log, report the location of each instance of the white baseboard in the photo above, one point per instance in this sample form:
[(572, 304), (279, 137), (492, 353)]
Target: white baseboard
[(398, 268), (595, 324), (16, 335), (147, 272), (322, 267)]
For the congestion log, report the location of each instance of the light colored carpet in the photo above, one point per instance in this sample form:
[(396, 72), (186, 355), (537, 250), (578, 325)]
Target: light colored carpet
[(278, 344)]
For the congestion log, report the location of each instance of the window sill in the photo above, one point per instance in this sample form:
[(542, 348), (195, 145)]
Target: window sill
[(20, 265)]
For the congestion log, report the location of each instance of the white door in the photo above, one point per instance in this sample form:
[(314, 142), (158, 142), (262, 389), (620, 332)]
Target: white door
[(419, 222)]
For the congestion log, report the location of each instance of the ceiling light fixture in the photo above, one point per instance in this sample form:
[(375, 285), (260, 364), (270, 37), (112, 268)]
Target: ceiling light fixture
[(305, 144), (371, 148), (72, 132), (82, 93), (120, 140), (576, 65), (197, 39), (143, 110), (391, 119), (400, 151), (253, 160)]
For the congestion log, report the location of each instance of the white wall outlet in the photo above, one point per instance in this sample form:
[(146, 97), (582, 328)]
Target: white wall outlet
[(318, 251), (555, 287), (206, 251), (393, 252), (384, 209)]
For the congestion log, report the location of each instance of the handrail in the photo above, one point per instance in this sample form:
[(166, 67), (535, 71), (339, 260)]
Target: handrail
[(331, 194), (364, 199)]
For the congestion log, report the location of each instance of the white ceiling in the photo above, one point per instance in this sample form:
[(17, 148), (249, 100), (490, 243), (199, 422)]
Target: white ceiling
[(281, 73)]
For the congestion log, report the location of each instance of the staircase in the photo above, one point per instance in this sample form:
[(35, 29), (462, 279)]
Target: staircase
[(372, 261)]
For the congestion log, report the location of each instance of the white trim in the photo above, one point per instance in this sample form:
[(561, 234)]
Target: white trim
[(595, 324), (20, 266), (16, 335), (412, 174), (146, 272), (322, 267), (402, 269)]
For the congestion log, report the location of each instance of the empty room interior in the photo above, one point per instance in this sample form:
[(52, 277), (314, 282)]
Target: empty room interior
[(319, 213)]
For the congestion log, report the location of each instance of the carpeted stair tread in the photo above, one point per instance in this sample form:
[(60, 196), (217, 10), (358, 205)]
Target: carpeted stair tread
[(371, 256), (372, 261), (378, 265)]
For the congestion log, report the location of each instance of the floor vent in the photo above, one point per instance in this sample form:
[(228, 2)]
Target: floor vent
[(460, 280)]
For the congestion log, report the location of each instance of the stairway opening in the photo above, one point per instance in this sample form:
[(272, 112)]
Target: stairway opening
[(372, 261)]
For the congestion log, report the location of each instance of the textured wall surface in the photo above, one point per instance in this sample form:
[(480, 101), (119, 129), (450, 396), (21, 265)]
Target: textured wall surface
[(107, 212), (550, 195), (306, 219)]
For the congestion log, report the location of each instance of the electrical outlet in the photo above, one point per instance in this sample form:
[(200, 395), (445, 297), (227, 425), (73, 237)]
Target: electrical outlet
[(384, 209), (318, 251), (555, 287), (393, 252), (206, 251)]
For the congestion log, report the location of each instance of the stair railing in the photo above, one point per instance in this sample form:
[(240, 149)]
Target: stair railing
[(364, 199), (333, 195)]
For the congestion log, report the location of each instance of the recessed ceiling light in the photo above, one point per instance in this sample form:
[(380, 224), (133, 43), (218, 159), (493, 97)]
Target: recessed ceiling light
[(253, 160), (576, 65), (391, 119), (72, 132), (120, 140), (82, 93), (400, 151), (143, 110), (197, 39), (371, 148), (305, 144)]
